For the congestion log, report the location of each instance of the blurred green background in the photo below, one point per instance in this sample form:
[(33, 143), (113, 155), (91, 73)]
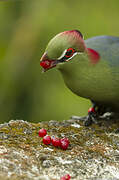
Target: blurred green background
[(26, 26)]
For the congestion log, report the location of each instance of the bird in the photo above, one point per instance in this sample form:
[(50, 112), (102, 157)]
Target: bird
[(90, 68)]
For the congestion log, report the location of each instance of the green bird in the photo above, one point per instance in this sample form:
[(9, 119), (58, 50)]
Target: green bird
[(90, 68)]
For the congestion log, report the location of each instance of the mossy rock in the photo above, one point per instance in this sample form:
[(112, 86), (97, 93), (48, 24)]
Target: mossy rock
[(93, 152)]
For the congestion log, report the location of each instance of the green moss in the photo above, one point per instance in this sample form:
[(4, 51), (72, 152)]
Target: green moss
[(91, 140)]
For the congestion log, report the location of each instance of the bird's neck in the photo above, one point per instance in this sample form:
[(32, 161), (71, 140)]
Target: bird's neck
[(72, 71), (74, 63)]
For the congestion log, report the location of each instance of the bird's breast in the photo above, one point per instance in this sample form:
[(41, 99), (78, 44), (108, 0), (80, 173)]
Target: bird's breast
[(94, 82)]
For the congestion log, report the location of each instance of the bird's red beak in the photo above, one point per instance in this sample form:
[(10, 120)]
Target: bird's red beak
[(47, 63)]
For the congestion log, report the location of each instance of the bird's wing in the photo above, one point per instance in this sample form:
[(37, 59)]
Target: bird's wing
[(107, 47)]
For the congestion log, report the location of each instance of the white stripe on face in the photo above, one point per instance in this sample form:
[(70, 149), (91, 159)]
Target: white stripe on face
[(63, 54)]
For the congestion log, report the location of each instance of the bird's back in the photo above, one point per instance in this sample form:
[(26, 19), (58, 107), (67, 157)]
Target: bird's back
[(107, 46)]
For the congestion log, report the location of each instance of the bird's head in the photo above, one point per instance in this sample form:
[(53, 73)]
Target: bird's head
[(62, 48)]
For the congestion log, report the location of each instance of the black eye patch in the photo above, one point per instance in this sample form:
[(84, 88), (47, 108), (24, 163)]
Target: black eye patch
[(69, 53)]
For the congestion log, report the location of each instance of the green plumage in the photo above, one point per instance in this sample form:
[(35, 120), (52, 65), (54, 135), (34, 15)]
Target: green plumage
[(98, 82)]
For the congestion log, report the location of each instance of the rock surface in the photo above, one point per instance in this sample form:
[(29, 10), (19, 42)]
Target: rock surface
[(93, 153)]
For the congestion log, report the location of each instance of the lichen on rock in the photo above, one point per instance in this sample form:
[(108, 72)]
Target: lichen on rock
[(93, 152)]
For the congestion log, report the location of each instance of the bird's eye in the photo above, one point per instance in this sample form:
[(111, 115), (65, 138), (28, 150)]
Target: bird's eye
[(69, 52)]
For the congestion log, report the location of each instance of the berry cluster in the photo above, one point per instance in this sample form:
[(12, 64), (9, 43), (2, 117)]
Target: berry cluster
[(62, 143)]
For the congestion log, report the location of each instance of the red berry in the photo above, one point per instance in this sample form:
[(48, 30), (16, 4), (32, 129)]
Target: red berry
[(64, 143), (45, 64), (66, 177), (65, 139), (46, 139), (55, 142), (42, 132)]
